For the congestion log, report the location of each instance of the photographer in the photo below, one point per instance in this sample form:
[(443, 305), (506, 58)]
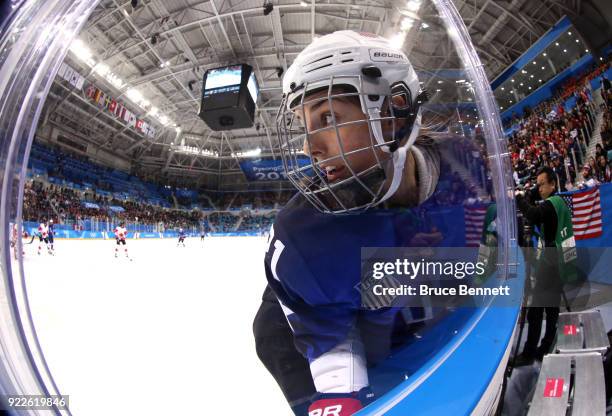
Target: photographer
[(551, 220)]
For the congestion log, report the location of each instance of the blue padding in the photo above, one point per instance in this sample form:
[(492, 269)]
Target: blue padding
[(235, 234), (454, 377), (149, 235)]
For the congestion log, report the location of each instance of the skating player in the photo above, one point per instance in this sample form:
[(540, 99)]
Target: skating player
[(51, 236), (43, 236), (357, 100), (120, 237), (181, 237)]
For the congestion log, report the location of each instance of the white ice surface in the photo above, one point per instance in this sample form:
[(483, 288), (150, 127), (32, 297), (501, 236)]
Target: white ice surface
[(168, 333)]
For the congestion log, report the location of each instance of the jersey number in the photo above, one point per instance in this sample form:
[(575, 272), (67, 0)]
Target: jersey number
[(277, 250)]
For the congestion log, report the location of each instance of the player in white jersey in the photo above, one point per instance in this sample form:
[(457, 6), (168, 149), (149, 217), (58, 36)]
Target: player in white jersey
[(43, 236), (120, 237)]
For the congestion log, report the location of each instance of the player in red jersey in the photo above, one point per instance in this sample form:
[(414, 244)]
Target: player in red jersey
[(120, 237)]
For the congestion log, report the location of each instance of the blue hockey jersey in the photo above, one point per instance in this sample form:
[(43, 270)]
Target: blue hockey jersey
[(313, 265)]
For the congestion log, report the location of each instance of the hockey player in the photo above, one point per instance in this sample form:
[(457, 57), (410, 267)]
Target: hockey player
[(51, 236), (120, 238), (354, 101), (181, 237), (43, 236)]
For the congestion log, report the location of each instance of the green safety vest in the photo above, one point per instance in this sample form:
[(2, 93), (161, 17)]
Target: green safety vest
[(564, 240), (487, 251)]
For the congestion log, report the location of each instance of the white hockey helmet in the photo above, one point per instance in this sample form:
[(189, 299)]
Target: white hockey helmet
[(374, 72)]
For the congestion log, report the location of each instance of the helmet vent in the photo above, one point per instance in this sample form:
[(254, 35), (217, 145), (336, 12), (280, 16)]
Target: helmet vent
[(319, 67), (347, 60), (320, 59)]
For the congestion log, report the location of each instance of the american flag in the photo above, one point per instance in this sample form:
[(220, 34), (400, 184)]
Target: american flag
[(585, 207), (474, 217)]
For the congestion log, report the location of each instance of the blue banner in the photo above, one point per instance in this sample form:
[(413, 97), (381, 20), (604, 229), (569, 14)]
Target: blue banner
[(267, 169)]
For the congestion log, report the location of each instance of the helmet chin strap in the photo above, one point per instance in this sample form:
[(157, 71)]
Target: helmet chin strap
[(399, 155)]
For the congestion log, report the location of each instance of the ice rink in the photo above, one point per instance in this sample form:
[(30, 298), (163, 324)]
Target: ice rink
[(167, 333)]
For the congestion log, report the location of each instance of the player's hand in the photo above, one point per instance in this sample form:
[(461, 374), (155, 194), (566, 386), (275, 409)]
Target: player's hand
[(339, 404)]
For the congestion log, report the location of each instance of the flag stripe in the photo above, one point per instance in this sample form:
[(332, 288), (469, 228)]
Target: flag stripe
[(588, 203), (586, 213), (474, 221)]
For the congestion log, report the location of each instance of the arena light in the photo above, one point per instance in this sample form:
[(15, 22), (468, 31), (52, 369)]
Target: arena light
[(413, 5), (460, 81), (207, 152), (134, 95), (397, 41), (247, 153), (303, 4), (163, 119), (82, 52), (544, 54), (424, 25), (101, 69), (406, 24), (502, 89), (440, 82)]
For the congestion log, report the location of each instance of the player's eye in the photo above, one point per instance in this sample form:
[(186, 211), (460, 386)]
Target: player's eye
[(327, 119)]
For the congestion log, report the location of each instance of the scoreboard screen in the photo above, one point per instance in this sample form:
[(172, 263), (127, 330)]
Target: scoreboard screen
[(218, 80), (228, 97)]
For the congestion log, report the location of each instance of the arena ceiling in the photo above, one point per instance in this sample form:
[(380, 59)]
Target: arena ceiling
[(161, 49)]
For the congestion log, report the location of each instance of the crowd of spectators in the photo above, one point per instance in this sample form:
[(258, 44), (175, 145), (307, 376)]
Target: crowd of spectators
[(70, 206), (552, 136)]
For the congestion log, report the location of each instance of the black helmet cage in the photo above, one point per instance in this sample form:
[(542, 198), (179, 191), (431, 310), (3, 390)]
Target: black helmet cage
[(362, 189)]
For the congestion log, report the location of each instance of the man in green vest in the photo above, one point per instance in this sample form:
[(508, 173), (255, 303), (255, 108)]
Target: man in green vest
[(553, 264)]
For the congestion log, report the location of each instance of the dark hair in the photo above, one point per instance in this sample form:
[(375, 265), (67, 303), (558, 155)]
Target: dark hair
[(550, 174)]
